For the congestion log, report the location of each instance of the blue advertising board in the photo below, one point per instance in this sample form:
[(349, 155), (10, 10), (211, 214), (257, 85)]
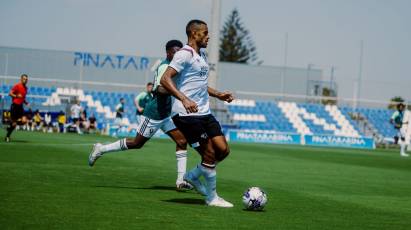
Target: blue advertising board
[(263, 137), (339, 141)]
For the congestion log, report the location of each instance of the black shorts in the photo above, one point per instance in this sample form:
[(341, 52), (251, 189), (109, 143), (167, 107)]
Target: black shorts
[(197, 128), (75, 120), (16, 112)]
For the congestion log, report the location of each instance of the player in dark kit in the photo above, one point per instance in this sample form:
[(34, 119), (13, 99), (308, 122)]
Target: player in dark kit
[(18, 94), (155, 115)]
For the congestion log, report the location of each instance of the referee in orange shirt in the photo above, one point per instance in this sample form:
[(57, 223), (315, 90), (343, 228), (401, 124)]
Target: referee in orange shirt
[(18, 95)]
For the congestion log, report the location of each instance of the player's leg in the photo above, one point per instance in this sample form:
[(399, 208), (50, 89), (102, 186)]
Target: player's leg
[(192, 132), (215, 133), (221, 147), (16, 111), (208, 170), (216, 150), (402, 142), (10, 130), (195, 130), (78, 126), (145, 131), (181, 152)]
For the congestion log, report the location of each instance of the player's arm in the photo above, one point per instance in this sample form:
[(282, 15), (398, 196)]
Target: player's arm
[(160, 72), (137, 102), (223, 96), (14, 94), (180, 60), (393, 116), (168, 83)]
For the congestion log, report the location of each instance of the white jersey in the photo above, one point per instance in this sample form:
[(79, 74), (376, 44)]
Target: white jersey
[(192, 80), (47, 118), (406, 127), (75, 111)]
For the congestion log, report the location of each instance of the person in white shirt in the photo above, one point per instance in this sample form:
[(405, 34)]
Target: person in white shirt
[(186, 78), (76, 111), (47, 123), (400, 119)]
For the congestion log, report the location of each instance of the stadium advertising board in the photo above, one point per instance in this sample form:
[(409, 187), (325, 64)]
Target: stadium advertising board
[(339, 141), (263, 137), (111, 61)]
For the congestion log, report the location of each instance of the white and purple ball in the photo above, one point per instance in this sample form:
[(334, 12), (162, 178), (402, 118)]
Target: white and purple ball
[(254, 199)]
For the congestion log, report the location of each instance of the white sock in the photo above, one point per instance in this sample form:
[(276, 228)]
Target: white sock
[(119, 145), (402, 147), (210, 175), (181, 157)]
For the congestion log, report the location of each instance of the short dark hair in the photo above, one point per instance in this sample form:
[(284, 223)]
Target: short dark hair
[(400, 105), (24, 75), (150, 83), (173, 43), (192, 23)]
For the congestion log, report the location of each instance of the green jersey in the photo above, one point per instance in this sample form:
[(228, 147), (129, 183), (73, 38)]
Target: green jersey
[(160, 107), (143, 99), (397, 117)]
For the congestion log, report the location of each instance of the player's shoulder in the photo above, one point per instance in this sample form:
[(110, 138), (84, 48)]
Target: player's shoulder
[(186, 51), (17, 86), (142, 94), (163, 64)]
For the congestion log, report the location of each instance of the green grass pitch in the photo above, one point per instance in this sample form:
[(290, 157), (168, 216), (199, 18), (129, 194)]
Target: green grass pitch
[(45, 183)]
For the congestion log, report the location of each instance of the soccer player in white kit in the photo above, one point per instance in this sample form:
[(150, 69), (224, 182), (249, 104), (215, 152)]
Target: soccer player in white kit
[(400, 119), (75, 115), (186, 78)]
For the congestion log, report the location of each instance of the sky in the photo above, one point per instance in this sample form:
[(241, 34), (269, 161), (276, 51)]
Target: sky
[(323, 33)]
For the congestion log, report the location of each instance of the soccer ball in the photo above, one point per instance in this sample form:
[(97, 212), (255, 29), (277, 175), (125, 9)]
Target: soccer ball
[(254, 199)]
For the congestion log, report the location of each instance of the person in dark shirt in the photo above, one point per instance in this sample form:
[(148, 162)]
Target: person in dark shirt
[(18, 95)]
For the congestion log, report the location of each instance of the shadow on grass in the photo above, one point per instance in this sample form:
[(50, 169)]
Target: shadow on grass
[(156, 187), (186, 201), (257, 211), (19, 141)]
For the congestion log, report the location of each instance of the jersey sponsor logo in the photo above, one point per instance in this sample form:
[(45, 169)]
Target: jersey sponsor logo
[(120, 62), (204, 136), (203, 71)]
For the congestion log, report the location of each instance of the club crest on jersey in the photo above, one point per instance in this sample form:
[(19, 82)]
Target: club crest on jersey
[(204, 136)]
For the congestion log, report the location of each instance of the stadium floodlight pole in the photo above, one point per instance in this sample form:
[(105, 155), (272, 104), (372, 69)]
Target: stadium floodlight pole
[(307, 80), (2, 97), (357, 88), (213, 55), (360, 69), (283, 73), (332, 77), (81, 75)]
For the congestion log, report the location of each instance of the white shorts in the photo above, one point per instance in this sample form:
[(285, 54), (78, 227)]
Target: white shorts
[(148, 127), (402, 132)]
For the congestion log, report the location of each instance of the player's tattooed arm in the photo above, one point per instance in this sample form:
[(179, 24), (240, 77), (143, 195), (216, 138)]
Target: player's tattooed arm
[(167, 82), (223, 96)]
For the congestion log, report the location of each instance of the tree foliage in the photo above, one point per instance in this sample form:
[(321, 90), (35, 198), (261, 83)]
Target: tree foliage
[(395, 101), (236, 44)]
